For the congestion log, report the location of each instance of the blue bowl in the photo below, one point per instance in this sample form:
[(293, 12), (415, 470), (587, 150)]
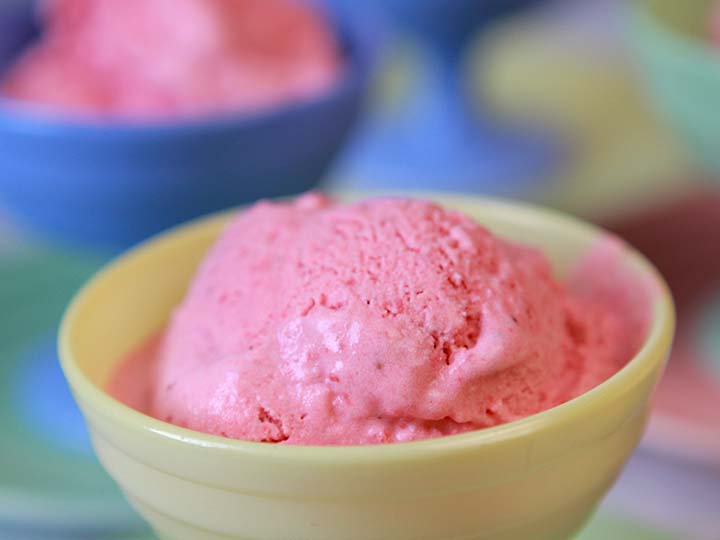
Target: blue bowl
[(110, 185)]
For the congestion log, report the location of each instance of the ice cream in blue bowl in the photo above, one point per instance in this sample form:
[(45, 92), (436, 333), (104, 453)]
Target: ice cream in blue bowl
[(120, 119)]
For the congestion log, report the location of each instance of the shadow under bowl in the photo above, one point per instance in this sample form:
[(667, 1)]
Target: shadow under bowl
[(540, 477)]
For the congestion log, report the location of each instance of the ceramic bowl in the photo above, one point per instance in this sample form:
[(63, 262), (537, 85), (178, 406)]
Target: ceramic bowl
[(540, 477)]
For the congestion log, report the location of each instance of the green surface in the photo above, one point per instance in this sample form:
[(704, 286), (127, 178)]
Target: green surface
[(40, 483), (17, 535), (606, 526)]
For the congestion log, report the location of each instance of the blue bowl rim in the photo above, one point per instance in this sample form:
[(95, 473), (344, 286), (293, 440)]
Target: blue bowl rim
[(357, 53)]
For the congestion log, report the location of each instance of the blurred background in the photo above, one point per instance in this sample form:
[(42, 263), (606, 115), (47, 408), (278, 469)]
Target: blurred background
[(600, 109)]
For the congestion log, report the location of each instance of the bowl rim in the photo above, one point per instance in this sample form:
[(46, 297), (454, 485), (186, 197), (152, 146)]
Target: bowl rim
[(653, 353), (357, 60)]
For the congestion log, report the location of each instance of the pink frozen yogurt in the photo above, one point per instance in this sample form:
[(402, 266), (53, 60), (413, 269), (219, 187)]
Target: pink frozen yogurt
[(155, 58), (382, 321)]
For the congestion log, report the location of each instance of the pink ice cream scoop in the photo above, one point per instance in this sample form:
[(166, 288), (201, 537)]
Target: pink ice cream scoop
[(174, 57), (386, 320)]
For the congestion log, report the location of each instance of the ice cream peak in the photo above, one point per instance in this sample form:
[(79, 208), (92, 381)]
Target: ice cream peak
[(158, 58), (381, 321)]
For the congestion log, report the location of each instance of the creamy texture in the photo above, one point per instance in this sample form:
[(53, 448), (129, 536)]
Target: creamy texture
[(138, 59), (381, 321)]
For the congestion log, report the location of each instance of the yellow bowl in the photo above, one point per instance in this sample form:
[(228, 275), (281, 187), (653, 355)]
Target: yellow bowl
[(540, 477)]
